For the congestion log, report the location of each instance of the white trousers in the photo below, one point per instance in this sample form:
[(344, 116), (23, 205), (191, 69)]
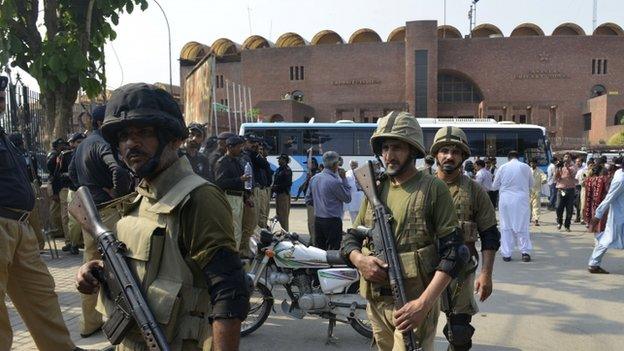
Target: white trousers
[(508, 242)]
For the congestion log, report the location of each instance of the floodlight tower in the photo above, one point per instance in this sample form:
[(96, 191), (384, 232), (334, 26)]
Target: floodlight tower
[(472, 15), (595, 17)]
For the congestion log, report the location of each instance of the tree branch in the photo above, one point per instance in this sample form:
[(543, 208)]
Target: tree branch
[(50, 17)]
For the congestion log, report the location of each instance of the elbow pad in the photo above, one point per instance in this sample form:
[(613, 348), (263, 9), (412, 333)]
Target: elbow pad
[(453, 254), (228, 285), (490, 239)]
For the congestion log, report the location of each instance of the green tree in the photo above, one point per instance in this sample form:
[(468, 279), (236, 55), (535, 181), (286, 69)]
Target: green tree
[(616, 139), (61, 44)]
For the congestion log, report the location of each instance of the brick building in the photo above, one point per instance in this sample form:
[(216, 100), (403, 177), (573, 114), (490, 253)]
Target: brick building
[(570, 82)]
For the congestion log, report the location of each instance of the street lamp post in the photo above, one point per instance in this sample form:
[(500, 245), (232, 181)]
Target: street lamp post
[(169, 35)]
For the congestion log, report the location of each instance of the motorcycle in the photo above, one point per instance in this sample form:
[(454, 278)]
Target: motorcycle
[(317, 282)]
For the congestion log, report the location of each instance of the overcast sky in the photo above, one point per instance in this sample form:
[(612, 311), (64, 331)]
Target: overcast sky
[(141, 44)]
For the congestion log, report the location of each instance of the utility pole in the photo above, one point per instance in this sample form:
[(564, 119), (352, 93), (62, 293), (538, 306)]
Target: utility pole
[(169, 35)]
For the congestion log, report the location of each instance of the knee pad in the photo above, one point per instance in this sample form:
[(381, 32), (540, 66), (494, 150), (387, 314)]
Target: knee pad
[(460, 336)]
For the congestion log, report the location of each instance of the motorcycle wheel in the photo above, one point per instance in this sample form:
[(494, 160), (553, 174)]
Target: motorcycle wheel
[(261, 303), (363, 327)]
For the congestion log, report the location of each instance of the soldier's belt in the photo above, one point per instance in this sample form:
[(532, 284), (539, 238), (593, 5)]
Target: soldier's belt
[(16, 215)]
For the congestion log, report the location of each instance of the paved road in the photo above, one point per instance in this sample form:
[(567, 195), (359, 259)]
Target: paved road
[(551, 303)]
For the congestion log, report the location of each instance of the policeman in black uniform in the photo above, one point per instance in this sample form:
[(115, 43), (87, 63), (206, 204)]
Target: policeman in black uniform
[(193, 143), (23, 275), (217, 154)]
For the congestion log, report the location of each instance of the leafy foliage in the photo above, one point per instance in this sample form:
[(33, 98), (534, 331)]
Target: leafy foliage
[(60, 42), (616, 139)]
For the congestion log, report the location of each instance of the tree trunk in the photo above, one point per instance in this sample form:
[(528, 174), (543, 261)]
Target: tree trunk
[(58, 105)]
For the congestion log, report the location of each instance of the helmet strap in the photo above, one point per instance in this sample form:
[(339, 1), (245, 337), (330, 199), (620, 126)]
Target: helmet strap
[(148, 170)]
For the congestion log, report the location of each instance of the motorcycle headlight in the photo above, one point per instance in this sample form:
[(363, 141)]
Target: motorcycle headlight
[(253, 246)]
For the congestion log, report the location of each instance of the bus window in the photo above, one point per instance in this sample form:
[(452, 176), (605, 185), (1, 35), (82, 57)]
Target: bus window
[(531, 144), (476, 141), (428, 134), (290, 143), (323, 140), (498, 143), (362, 143)]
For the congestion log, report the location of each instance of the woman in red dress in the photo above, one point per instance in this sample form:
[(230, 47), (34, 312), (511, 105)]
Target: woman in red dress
[(596, 188)]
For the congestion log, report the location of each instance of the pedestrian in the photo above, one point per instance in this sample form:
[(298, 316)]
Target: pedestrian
[(32, 167), (565, 174), (215, 155), (539, 179), (74, 239), (57, 219), (262, 193), (514, 181), (95, 166), (353, 207), (192, 144), (477, 219), (425, 228), (24, 276), (313, 168), (469, 169), (578, 162), (610, 233), (329, 191), (194, 284), (428, 167), (581, 176), (258, 182), (493, 193), (552, 184), (281, 188), (230, 177), (483, 177)]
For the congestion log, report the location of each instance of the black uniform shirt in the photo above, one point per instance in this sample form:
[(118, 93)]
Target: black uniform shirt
[(199, 162), (283, 180), (62, 169), (228, 172), (212, 164), (51, 162), (95, 167), (15, 190)]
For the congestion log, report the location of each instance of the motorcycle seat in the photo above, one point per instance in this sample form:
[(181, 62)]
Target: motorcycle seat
[(334, 258)]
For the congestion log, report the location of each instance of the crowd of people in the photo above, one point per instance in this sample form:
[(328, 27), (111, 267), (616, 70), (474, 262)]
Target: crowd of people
[(185, 205)]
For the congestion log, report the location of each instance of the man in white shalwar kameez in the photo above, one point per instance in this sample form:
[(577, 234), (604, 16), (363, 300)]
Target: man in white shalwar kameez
[(613, 235), (353, 207), (514, 180)]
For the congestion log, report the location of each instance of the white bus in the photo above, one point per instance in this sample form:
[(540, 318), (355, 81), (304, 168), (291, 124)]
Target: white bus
[(487, 138)]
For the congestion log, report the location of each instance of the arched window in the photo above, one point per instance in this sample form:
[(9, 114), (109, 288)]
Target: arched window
[(619, 118), (452, 88), (598, 90)]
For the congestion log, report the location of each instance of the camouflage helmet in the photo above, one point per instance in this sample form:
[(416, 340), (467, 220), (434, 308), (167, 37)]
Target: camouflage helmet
[(450, 136), (401, 126)]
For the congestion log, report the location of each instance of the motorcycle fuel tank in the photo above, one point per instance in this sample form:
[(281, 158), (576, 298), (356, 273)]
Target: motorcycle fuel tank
[(289, 255), (336, 280)]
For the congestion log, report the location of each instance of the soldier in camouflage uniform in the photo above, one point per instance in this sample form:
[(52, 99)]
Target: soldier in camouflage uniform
[(426, 231), (476, 219)]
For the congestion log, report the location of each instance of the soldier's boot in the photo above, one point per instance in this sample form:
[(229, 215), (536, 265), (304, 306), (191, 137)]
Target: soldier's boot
[(459, 333)]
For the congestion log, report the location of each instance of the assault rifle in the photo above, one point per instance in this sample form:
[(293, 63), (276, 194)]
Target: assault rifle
[(117, 280), (383, 239)]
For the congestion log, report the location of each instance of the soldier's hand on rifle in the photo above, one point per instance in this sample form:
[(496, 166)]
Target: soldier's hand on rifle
[(411, 315), (483, 286), (245, 177), (86, 282), (372, 268)]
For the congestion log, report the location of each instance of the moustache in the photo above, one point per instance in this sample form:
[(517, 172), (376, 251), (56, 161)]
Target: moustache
[(134, 152)]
